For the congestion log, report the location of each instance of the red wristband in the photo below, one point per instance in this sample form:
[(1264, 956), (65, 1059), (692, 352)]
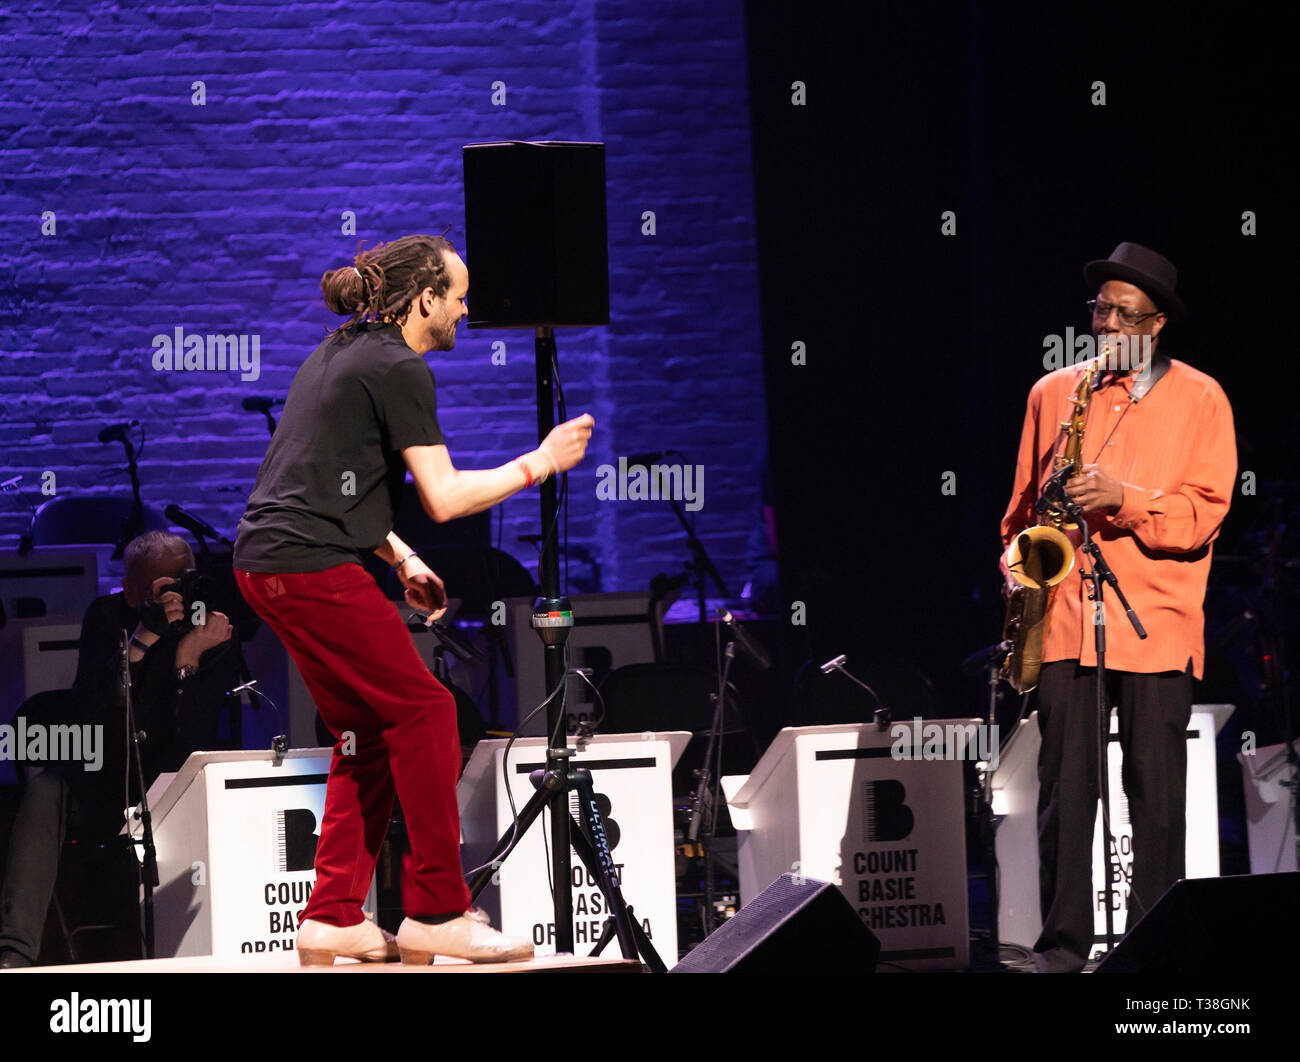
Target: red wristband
[(528, 475)]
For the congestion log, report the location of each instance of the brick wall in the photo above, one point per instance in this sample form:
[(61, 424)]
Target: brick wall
[(219, 217)]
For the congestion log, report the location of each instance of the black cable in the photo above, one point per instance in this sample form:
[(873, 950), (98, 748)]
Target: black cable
[(128, 716), (251, 687), (595, 724), (555, 737), (505, 770), (563, 413), (561, 502)]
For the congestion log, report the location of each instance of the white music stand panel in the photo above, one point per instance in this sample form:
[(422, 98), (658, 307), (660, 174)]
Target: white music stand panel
[(1270, 808), (235, 835), (633, 773), (832, 803), (35, 656)]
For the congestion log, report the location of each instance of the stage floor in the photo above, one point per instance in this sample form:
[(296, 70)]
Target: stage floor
[(287, 962)]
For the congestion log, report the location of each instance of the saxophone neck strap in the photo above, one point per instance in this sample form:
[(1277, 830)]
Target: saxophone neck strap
[(1142, 384), (1142, 387)]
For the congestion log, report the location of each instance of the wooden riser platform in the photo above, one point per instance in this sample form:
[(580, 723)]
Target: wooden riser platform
[(288, 963)]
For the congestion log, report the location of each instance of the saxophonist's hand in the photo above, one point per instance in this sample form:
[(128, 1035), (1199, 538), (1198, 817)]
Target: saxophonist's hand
[(1094, 490)]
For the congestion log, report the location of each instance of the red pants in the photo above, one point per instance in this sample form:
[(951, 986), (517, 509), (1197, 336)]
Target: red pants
[(361, 667)]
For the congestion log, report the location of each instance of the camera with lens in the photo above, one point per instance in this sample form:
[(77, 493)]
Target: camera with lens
[(195, 588)]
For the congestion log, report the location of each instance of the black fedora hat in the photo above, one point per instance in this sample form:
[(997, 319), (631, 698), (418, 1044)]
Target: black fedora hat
[(1143, 268)]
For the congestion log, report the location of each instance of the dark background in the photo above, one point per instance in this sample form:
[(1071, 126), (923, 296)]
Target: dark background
[(921, 348)]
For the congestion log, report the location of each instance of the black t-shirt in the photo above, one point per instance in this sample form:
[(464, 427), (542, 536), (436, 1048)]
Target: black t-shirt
[(332, 478)]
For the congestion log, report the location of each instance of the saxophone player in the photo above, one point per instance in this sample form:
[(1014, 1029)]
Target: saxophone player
[(1158, 468)]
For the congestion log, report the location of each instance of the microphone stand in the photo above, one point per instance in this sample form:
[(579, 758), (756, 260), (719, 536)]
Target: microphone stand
[(707, 797), (25, 540), (134, 523), (1096, 580), (149, 864), (705, 810), (1276, 676), (986, 823), (700, 567), (881, 714), (264, 406)]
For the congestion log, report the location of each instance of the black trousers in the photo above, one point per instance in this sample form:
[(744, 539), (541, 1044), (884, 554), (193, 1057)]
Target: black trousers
[(1154, 711), (50, 806), (47, 805)]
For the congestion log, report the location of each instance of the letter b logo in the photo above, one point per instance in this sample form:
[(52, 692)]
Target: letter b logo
[(295, 839), (612, 833), (884, 815)]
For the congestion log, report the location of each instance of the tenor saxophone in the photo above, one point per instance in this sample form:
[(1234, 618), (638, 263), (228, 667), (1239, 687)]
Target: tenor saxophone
[(1041, 556)]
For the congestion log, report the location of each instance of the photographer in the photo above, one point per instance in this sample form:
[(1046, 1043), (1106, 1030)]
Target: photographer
[(179, 679)]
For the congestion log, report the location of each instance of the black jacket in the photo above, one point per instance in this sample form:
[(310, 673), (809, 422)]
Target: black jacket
[(177, 717)]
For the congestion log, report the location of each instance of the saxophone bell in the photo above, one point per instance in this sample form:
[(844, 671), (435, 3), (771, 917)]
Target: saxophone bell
[(1040, 557), (1037, 560)]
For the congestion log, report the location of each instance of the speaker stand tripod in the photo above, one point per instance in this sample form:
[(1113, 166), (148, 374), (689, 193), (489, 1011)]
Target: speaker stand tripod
[(589, 840), (552, 620)]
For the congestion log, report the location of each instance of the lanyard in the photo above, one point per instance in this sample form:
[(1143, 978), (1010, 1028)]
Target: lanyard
[(1159, 367)]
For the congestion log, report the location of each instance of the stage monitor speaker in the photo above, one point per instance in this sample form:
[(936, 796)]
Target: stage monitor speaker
[(795, 925), (1215, 925), (535, 234)]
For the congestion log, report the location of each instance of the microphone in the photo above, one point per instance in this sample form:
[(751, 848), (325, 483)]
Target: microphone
[(832, 665), (195, 525), (662, 585), (261, 405), (279, 743), (466, 652), (647, 459), (749, 649), (1054, 490), (117, 432), (982, 659), (881, 713), (462, 649)]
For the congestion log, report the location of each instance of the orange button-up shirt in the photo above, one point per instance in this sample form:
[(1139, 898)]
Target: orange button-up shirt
[(1175, 453)]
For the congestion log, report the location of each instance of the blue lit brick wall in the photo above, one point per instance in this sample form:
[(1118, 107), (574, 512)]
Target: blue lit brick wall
[(219, 218)]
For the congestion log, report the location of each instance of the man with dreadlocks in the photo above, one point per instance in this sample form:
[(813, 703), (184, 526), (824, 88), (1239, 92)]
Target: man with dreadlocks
[(360, 413)]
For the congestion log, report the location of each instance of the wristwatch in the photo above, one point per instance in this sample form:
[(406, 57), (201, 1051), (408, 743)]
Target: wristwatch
[(186, 671)]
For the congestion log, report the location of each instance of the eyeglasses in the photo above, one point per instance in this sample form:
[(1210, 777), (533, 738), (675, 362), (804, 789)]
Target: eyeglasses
[(1101, 310)]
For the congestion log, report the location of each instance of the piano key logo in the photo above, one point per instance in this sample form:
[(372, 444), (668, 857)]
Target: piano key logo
[(295, 840), (884, 815)]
